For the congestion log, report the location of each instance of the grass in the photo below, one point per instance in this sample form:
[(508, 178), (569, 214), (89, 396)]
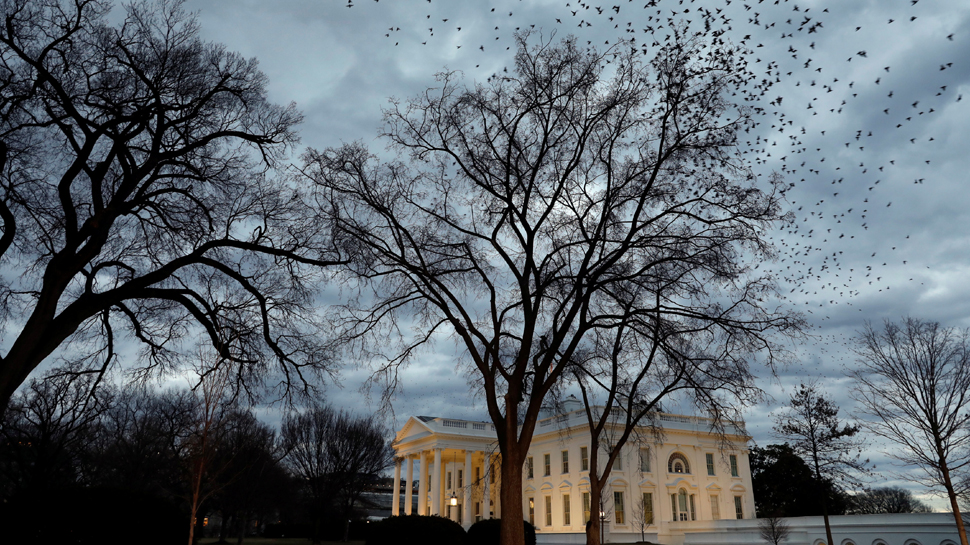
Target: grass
[(276, 541)]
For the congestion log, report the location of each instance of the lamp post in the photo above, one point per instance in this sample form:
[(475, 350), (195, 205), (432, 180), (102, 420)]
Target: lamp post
[(602, 525)]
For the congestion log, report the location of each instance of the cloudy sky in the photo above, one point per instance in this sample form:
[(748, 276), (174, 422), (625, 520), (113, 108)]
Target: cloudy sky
[(870, 128)]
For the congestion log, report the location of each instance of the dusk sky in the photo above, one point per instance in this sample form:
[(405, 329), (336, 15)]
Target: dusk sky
[(864, 118)]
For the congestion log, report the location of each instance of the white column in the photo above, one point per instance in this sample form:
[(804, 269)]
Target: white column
[(466, 509), (486, 497), (408, 485), (436, 484), (423, 485), (396, 498)]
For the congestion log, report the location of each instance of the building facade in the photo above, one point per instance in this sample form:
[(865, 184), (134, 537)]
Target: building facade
[(659, 484)]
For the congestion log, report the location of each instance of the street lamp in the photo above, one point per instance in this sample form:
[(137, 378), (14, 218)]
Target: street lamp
[(602, 525)]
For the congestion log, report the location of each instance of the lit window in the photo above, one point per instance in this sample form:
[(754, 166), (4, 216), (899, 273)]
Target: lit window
[(548, 510), (715, 508), (645, 460), (546, 465), (618, 507), (677, 463), (648, 508), (565, 461), (710, 463), (584, 458), (738, 509), (532, 511), (734, 465), (565, 510), (585, 507)]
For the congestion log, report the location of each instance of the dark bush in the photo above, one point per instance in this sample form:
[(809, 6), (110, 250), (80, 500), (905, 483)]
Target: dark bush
[(487, 532), (416, 530), (100, 515)]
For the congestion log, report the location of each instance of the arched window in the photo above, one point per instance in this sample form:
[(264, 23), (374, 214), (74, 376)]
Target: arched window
[(682, 506), (677, 464)]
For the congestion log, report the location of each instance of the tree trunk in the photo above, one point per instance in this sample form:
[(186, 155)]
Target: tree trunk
[(224, 528), (593, 529), (241, 521), (510, 492), (953, 503)]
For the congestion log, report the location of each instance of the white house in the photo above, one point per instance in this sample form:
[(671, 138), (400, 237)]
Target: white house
[(687, 476), (696, 489)]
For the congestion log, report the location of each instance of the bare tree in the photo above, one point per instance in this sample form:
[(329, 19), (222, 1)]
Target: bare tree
[(773, 529), (551, 202), (138, 197), (334, 455), (811, 424), (45, 433), (913, 381), (890, 499), (642, 516)]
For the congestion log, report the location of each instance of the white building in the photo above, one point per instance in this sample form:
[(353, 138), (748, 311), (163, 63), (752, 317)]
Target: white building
[(685, 478), (697, 492)]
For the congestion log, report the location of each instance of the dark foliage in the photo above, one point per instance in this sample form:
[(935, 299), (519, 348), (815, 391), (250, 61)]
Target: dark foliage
[(92, 516), (488, 532), (890, 499), (780, 480), (416, 530)]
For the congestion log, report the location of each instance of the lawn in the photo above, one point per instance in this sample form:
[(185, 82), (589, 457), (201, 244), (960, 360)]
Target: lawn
[(276, 541)]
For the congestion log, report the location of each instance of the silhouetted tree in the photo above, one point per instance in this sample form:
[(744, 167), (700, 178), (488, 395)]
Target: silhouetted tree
[(779, 479), (773, 529), (334, 455), (138, 196), (890, 499), (552, 203), (45, 433), (913, 381), (811, 422)]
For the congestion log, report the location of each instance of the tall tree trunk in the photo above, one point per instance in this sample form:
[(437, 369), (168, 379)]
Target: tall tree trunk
[(593, 529), (510, 492), (957, 516)]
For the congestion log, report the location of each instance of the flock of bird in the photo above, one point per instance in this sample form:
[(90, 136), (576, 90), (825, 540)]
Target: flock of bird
[(829, 107)]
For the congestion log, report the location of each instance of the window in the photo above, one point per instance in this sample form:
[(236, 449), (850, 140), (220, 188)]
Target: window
[(618, 464), (548, 510), (565, 510), (738, 509), (448, 480), (546, 465), (532, 511), (715, 508), (645, 460), (618, 507), (585, 507), (478, 511), (682, 513), (478, 475), (461, 478), (528, 467), (648, 508), (734, 465), (693, 511), (491, 473), (677, 464), (710, 463), (584, 458), (565, 461)]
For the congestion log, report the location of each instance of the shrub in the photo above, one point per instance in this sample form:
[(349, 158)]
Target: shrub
[(416, 530), (487, 532)]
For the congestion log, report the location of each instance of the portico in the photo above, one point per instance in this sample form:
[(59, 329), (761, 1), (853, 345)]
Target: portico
[(456, 466)]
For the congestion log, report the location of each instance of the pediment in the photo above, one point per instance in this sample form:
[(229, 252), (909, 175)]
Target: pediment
[(681, 483), (529, 488), (738, 488), (647, 483), (413, 429), (545, 487), (565, 484), (619, 482), (713, 487)]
